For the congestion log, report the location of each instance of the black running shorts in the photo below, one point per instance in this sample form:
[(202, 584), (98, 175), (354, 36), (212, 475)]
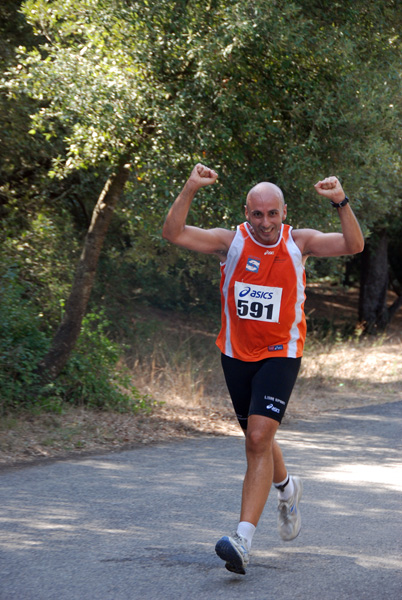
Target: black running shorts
[(260, 388)]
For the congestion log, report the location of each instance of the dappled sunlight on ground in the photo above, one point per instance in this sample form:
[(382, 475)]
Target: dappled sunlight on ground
[(386, 475)]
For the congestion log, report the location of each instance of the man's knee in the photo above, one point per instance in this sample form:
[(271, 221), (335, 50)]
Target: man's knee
[(260, 434)]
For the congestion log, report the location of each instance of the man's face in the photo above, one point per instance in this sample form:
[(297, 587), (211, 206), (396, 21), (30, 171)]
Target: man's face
[(265, 211)]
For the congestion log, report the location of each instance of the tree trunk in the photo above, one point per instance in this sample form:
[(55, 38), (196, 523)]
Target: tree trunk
[(69, 329), (373, 311)]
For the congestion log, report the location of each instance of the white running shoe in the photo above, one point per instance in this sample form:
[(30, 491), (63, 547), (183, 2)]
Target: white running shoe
[(289, 518), (234, 551)]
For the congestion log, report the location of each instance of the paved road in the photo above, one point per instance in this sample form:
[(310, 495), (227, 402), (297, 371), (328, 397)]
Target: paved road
[(143, 524)]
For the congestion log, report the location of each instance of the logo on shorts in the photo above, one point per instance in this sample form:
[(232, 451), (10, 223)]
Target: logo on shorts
[(273, 408), (253, 264), (275, 348), (277, 400)]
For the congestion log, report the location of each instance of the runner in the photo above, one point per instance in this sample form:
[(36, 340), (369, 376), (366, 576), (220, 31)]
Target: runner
[(263, 331)]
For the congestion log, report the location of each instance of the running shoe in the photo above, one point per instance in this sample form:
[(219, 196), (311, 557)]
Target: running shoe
[(234, 551), (289, 518)]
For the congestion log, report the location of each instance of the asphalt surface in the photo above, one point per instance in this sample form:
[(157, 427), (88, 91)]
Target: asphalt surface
[(142, 524)]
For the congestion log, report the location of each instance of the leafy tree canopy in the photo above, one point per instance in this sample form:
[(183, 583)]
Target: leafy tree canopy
[(265, 89), (285, 91)]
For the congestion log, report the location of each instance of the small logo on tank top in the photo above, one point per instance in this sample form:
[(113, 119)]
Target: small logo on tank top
[(253, 264), (269, 252), (275, 348)]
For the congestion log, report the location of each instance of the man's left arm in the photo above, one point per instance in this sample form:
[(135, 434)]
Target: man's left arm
[(315, 243)]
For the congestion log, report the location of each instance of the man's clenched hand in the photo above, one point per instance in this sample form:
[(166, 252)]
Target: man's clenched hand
[(202, 176), (330, 188)]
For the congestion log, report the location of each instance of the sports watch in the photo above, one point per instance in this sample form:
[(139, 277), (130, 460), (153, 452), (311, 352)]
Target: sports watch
[(340, 204)]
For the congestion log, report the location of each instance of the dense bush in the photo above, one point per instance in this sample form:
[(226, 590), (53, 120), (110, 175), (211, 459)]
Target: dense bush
[(22, 342), (92, 376)]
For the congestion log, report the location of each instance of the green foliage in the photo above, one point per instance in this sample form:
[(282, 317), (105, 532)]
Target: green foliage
[(92, 377), (174, 281), (289, 92), (273, 89), (43, 256), (22, 342)]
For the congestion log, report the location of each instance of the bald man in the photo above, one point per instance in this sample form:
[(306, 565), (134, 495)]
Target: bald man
[(263, 331)]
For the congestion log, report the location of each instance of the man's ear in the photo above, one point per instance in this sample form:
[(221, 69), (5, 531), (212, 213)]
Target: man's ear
[(246, 211), (285, 212)]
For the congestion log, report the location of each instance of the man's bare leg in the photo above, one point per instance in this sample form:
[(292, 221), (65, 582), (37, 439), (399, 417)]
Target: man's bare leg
[(280, 471), (264, 464), (264, 458)]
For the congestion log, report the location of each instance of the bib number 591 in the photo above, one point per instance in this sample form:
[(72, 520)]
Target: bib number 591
[(255, 310), (257, 302)]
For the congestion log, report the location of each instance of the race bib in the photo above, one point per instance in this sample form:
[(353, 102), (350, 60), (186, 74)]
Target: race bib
[(258, 302)]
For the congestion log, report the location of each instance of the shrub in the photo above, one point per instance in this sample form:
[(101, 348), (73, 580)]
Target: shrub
[(92, 376), (22, 342)]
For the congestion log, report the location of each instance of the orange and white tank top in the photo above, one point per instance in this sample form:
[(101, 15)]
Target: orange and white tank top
[(262, 298)]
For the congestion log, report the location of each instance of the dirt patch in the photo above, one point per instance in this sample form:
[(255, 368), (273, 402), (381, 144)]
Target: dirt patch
[(27, 438)]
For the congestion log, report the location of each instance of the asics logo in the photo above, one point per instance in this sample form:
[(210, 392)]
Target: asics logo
[(257, 294), (273, 408)]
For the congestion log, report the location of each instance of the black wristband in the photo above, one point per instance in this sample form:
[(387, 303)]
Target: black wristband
[(340, 204)]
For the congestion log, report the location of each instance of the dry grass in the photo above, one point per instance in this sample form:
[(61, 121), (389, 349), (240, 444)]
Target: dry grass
[(356, 373), (348, 374)]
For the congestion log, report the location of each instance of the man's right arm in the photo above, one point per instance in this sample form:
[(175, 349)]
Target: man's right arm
[(175, 229)]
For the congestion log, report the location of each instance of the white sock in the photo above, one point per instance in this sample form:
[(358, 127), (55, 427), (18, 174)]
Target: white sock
[(287, 491), (247, 530)]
